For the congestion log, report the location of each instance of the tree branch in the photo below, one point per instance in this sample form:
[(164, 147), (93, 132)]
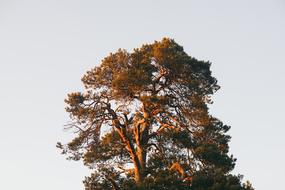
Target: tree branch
[(177, 167), (112, 181)]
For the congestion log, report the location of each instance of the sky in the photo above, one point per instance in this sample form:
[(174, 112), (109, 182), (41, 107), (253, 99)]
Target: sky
[(47, 46)]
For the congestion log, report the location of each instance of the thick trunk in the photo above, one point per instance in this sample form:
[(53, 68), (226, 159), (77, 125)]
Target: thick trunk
[(139, 163), (140, 168), (141, 138), (139, 176), (142, 157), (138, 153)]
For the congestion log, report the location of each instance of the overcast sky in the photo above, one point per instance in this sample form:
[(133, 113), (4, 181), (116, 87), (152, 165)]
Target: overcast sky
[(46, 47)]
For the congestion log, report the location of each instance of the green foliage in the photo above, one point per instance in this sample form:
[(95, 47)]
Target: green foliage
[(215, 179), (143, 123)]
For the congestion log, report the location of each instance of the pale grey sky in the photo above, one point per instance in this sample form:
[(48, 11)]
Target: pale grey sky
[(46, 47)]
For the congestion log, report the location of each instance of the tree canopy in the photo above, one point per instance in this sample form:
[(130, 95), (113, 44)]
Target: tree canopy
[(143, 123)]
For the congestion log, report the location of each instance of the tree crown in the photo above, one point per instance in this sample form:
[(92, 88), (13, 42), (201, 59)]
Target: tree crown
[(145, 114)]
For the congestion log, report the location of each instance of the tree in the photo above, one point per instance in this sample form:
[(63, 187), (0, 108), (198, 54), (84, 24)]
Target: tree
[(143, 123)]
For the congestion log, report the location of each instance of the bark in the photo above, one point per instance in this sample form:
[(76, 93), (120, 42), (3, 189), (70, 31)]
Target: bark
[(177, 167), (141, 140), (112, 181), (139, 175), (141, 136)]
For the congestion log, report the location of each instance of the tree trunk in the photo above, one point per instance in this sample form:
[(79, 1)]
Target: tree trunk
[(141, 153), (141, 138), (133, 153), (139, 176)]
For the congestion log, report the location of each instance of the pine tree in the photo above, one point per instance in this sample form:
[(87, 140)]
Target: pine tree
[(143, 123)]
